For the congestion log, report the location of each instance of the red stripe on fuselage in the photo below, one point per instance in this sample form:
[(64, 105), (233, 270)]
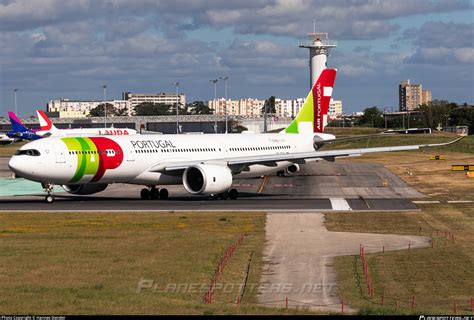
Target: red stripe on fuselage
[(107, 161)]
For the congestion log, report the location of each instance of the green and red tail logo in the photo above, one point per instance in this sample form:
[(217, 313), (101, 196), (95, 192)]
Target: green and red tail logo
[(95, 155), (314, 112)]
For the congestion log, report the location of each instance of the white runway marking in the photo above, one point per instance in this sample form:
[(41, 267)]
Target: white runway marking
[(340, 204), (426, 201)]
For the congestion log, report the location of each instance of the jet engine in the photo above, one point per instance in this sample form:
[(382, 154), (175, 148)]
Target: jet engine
[(207, 179), (89, 188), (317, 142), (292, 169)]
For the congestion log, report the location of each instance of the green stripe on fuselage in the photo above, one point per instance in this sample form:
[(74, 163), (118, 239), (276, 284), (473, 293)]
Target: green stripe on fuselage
[(87, 157)]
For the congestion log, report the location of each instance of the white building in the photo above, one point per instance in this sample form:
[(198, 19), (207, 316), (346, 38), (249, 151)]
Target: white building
[(297, 104), (166, 98), (243, 107), (251, 107), (335, 109), (284, 108), (233, 106), (67, 108)]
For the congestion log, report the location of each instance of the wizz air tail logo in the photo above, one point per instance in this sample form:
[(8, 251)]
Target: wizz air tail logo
[(95, 155)]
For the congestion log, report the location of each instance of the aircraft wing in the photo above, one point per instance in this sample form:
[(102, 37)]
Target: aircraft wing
[(300, 157), (320, 143)]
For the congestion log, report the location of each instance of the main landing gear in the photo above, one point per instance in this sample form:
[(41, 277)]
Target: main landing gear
[(48, 187), (153, 193), (232, 194)]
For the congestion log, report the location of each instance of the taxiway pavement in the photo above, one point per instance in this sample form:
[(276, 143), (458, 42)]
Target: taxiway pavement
[(318, 186)]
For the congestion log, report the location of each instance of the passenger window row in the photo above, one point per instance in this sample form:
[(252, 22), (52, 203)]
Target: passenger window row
[(260, 148), (94, 152), (176, 150)]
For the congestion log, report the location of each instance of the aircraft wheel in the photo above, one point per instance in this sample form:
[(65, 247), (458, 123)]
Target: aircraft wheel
[(224, 195), (49, 198), (145, 194), (233, 194), (154, 194), (164, 194)]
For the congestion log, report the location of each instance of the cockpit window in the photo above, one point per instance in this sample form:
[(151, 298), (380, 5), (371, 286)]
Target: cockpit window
[(28, 152)]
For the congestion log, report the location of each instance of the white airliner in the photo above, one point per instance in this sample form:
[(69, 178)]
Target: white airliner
[(205, 164), (47, 128), (4, 139)]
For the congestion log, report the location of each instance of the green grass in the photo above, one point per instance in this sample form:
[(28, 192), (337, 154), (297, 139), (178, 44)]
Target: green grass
[(91, 263), (466, 145), (352, 131), (435, 276)]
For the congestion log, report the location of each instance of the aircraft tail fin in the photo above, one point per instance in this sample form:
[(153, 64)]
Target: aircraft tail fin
[(313, 116), (17, 125), (45, 123)]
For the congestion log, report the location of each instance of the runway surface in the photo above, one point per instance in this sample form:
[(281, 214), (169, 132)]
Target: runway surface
[(318, 186)]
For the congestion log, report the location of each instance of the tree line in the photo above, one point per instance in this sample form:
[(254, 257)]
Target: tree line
[(159, 109), (152, 109), (437, 113)]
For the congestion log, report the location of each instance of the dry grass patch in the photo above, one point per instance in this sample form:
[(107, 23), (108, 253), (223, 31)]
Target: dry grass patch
[(91, 263), (437, 277), (10, 149)]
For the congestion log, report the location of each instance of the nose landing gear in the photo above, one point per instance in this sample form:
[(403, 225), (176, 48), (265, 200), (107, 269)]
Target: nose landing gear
[(48, 187)]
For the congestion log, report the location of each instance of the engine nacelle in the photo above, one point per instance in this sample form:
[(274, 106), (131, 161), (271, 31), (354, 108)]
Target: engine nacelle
[(207, 179), (292, 169), (89, 188)]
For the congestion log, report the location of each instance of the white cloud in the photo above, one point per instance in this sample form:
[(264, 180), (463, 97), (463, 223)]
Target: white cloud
[(59, 47)]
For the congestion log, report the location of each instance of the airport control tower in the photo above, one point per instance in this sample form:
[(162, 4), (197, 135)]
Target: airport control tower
[(318, 52)]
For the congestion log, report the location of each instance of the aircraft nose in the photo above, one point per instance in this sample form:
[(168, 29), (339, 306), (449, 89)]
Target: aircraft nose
[(19, 165)]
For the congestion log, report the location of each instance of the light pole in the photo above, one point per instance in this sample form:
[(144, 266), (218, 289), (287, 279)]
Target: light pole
[(105, 105), (214, 103), (225, 88), (16, 109), (265, 104), (176, 84)]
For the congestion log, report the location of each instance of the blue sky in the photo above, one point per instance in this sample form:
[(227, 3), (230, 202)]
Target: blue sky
[(69, 49)]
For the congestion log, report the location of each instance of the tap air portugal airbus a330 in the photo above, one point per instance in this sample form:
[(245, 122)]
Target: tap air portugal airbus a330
[(205, 164)]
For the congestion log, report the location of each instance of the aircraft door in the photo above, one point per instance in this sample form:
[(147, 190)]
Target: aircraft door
[(59, 151), (131, 155)]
